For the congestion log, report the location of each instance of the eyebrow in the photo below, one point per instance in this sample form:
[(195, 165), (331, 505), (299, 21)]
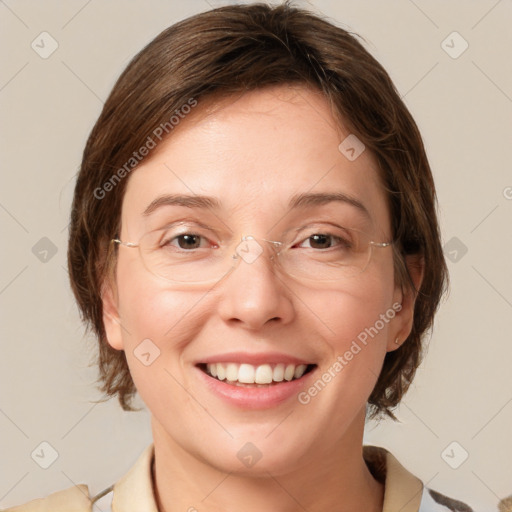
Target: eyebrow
[(182, 200), (299, 201), (319, 199)]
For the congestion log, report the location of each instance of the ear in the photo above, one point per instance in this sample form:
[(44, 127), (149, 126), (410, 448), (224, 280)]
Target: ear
[(404, 295), (111, 319)]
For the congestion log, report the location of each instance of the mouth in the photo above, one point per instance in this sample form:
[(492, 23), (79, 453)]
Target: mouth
[(249, 375)]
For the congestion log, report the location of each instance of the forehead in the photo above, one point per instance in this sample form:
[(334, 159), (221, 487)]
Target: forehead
[(254, 153)]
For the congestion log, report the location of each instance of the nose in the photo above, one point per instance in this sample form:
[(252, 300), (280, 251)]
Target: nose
[(254, 294)]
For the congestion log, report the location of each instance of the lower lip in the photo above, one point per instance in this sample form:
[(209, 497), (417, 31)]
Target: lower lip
[(255, 397)]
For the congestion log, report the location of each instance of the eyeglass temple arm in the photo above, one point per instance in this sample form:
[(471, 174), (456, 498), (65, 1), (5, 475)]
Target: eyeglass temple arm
[(126, 244), (381, 244)]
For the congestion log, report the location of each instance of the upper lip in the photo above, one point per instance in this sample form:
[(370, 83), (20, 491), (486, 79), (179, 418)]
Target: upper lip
[(254, 358)]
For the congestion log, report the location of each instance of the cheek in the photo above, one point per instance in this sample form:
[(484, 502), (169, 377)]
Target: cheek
[(147, 308), (156, 321), (350, 312), (355, 324), (158, 327)]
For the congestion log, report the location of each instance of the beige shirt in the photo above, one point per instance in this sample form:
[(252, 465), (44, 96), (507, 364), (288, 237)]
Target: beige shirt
[(134, 491)]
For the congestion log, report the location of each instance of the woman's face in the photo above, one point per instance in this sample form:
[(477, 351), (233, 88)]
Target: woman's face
[(254, 155)]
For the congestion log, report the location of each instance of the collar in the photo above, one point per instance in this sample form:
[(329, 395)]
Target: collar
[(403, 491), (134, 491)]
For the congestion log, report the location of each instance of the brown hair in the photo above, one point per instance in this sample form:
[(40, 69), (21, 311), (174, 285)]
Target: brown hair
[(231, 50)]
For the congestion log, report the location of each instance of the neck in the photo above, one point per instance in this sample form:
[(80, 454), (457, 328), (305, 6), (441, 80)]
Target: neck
[(333, 479)]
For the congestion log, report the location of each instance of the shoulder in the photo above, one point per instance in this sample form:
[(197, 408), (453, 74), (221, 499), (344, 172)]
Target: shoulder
[(403, 490), (75, 498), (133, 491)]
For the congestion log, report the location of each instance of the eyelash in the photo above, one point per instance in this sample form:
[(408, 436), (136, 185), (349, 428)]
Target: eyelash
[(176, 237), (341, 241)]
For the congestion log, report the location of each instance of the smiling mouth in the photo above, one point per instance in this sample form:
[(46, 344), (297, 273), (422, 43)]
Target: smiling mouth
[(263, 375)]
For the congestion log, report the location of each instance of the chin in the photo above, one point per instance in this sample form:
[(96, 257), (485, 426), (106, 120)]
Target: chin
[(255, 453)]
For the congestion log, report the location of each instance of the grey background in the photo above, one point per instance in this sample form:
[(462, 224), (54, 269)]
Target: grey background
[(463, 106)]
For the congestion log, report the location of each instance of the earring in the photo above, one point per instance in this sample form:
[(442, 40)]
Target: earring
[(397, 341)]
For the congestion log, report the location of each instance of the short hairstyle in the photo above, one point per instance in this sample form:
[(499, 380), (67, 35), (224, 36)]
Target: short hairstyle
[(231, 50)]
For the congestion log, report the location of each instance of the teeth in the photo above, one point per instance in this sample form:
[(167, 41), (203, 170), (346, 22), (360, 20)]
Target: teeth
[(278, 373), (289, 372), (249, 374), (264, 374), (246, 374), (299, 371), (231, 371), (221, 372)]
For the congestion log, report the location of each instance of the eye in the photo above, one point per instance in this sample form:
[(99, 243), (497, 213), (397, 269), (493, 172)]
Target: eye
[(324, 241), (187, 241)]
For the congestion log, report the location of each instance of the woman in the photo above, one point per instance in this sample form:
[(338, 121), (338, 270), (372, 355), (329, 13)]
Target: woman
[(254, 241)]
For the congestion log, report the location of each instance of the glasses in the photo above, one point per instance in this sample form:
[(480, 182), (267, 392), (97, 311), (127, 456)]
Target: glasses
[(181, 253)]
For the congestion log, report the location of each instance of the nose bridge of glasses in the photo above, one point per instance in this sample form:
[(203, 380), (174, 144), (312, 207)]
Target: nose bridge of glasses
[(250, 248)]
